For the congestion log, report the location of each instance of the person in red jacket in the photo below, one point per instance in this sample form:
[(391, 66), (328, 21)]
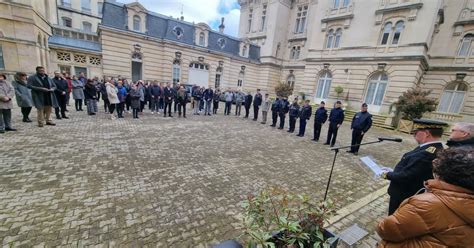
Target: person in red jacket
[(443, 216)]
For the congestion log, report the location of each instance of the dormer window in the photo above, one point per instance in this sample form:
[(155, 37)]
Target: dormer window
[(202, 41), (136, 23), (178, 32), (221, 43), (244, 51)]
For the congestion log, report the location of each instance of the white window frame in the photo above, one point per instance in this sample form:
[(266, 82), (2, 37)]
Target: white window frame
[(84, 25), (301, 15), (176, 77), (202, 39), (337, 38), (324, 85), (454, 94), (290, 80), (399, 27), (264, 17), (465, 46), (386, 31), (378, 80), (330, 39), (137, 23)]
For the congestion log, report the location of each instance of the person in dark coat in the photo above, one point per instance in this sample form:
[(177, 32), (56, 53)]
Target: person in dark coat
[(462, 134), (257, 101), (6, 96), (42, 92), (103, 92), (175, 97), (207, 96), (61, 95), (90, 93), (182, 101), (361, 123), (215, 101), (305, 114), (155, 94), (247, 104), (336, 117), (23, 95), (415, 167), (294, 112), (275, 109), (168, 95), (320, 118), (284, 108), (135, 102)]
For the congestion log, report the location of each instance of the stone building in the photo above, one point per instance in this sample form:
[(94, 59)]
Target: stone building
[(374, 49)]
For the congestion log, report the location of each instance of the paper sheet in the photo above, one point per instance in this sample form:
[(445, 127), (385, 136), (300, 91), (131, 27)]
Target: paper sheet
[(373, 166)]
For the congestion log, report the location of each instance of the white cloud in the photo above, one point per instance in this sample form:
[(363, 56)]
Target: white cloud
[(206, 11)]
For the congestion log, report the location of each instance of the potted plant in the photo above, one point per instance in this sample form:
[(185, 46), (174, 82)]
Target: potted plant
[(283, 90), (412, 104), (277, 218), (339, 91)]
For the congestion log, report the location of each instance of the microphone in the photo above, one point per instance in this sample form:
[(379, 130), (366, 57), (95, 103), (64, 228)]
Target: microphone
[(390, 139)]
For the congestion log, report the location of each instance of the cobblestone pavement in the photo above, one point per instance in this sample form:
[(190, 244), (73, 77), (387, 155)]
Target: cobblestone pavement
[(161, 182)]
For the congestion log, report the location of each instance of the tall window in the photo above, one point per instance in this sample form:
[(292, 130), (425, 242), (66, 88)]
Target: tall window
[(386, 33), (66, 3), (240, 81), (291, 81), (264, 16), (398, 31), (176, 73), (336, 4), (301, 18), (136, 23), (330, 39), (453, 98), (86, 5), (87, 27), (100, 6), (324, 84), (217, 82), (2, 63), (201, 39), (244, 51), (376, 89), (337, 40), (295, 52), (250, 20), (465, 45), (67, 22), (345, 3)]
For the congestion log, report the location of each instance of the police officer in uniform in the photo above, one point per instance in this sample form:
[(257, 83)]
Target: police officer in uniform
[(336, 117), (361, 123), (415, 167), (284, 108), (305, 114), (275, 109), (320, 117)]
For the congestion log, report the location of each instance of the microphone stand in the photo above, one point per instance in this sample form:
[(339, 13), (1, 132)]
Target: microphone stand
[(336, 151)]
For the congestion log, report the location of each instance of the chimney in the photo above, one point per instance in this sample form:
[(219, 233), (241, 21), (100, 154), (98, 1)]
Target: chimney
[(222, 26)]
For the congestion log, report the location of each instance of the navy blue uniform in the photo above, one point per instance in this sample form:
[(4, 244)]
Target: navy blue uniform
[(168, 95), (284, 108), (320, 117), (336, 117), (257, 101), (247, 104), (305, 114), (294, 111), (361, 123), (407, 178), (275, 109)]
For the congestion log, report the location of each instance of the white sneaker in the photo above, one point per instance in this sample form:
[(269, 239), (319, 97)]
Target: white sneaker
[(112, 117), (152, 112)]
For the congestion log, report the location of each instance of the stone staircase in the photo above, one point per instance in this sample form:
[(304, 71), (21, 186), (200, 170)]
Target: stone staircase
[(377, 120)]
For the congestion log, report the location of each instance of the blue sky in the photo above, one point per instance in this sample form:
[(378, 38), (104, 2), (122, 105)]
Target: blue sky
[(207, 11)]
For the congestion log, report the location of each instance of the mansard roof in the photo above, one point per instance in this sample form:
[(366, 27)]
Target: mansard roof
[(163, 27)]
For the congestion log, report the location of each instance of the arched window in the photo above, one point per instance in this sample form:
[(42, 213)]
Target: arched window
[(291, 81), (465, 45), (337, 41), (324, 84), (67, 22), (398, 31), (330, 39), (386, 33), (202, 41), (453, 97), (87, 27), (136, 23), (376, 89)]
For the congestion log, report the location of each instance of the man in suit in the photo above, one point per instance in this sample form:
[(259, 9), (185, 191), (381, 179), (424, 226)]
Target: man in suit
[(415, 167), (61, 94), (336, 117), (257, 101), (168, 95), (247, 103), (361, 123), (320, 118), (42, 92)]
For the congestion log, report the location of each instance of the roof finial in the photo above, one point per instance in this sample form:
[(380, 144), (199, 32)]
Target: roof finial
[(182, 9), (222, 26)]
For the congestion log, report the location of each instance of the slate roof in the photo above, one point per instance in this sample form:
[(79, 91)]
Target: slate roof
[(163, 27)]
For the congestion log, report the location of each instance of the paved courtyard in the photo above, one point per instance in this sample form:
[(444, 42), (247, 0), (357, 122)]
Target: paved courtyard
[(162, 182)]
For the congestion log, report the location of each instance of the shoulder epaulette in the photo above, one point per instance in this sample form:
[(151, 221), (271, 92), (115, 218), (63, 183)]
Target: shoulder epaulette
[(431, 149)]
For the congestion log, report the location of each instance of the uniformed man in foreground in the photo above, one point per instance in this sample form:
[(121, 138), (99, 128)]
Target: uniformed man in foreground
[(415, 167), (361, 123)]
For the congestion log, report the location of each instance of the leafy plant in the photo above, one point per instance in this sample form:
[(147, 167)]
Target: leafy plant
[(283, 89), (339, 90), (276, 218), (414, 103)]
